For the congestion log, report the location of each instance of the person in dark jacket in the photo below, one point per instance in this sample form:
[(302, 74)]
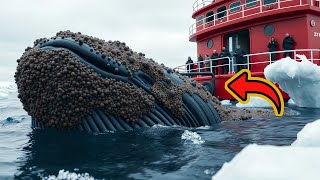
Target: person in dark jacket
[(238, 54), (273, 46), (287, 44), (207, 63), (214, 56), (189, 64), (200, 62), (225, 54)]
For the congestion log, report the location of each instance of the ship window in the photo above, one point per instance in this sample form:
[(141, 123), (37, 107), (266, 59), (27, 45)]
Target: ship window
[(210, 43), (235, 6), (209, 17), (200, 20), (268, 30), (221, 12), (269, 2), (251, 3)]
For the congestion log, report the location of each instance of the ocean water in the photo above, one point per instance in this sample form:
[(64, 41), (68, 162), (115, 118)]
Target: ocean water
[(154, 153)]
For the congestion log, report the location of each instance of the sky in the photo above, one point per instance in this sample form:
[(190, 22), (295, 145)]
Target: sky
[(157, 28)]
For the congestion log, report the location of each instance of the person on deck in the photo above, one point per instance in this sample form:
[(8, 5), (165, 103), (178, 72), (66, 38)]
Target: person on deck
[(225, 54), (273, 46), (287, 44), (207, 63), (214, 56), (189, 64), (238, 54), (200, 62)]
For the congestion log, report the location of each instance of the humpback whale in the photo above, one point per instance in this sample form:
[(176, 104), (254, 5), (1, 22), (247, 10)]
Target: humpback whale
[(76, 81)]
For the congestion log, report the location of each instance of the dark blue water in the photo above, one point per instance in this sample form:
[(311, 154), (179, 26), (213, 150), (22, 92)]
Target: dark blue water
[(156, 153)]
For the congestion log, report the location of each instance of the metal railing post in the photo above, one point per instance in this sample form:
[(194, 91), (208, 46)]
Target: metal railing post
[(229, 64), (242, 10), (279, 5), (311, 2), (197, 5), (311, 56), (270, 58), (248, 67), (294, 54), (210, 65), (227, 15), (260, 6), (233, 64)]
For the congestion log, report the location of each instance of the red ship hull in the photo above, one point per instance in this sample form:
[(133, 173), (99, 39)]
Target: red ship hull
[(220, 80)]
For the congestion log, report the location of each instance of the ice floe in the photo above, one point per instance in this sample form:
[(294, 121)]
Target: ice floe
[(309, 136), (255, 102), (66, 175), (194, 137), (266, 162), (226, 103), (291, 101), (301, 80)]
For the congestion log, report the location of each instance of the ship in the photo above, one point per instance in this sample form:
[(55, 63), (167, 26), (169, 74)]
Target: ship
[(249, 24)]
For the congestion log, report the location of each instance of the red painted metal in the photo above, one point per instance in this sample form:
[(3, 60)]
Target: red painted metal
[(294, 20), (220, 81)]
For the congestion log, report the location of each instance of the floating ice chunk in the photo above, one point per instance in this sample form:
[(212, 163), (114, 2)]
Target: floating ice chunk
[(291, 101), (255, 102), (192, 136), (301, 80), (159, 126), (299, 161), (272, 163), (209, 171), (66, 175), (309, 136), (203, 127), (226, 103)]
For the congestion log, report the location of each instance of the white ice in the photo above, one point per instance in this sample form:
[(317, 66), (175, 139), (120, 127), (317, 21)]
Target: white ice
[(272, 163), (226, 103), (66, 175), (301, 80), (194, 137), (299, 161), (309, 136), (254, 102), (291, 101)]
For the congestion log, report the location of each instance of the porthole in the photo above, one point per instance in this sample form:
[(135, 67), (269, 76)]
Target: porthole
[(313, 23), (210, 43), (200, 20), (269, 30)]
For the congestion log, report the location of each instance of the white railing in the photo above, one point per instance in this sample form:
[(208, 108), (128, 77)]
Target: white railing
[(229, 16), (200, 4), (200, 66), (310, 53), (232, 65)]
